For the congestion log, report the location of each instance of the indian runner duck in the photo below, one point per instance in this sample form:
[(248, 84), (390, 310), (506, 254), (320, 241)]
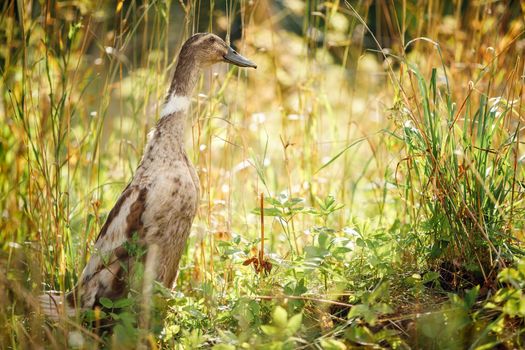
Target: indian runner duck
[(156, 210)]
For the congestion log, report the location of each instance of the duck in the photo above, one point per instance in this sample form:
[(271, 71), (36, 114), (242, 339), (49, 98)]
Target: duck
[(152, 218)]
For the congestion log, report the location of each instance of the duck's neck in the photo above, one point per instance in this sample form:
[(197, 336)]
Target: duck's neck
[(169, 132), (186, 75)]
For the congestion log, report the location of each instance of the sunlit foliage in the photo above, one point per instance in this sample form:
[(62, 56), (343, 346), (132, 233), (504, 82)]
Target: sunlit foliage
[(363, 187)]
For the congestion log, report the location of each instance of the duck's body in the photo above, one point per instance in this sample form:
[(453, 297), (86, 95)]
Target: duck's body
[(158, 206)]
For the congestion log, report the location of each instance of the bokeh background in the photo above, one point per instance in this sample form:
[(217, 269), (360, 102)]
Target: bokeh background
[(383, 135)]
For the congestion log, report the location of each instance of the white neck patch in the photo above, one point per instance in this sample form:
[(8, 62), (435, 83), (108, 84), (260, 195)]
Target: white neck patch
[(175, 104)]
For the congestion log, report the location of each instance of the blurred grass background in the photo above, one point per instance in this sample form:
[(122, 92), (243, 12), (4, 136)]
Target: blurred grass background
[(396, 124)]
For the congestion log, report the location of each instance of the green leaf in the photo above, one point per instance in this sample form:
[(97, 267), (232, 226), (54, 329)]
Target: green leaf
[(128, 319), (106, 302), (510, 308), (360, 335), (292, 202), (294, 323), (237, 239), (280, 317), (269, 330), (332, 344), (322, 239), (273, 201), (172, 330), (521, 307), (123, 303), (361, 310), (383, 308), (268, 212), (471, 296), (430, 276), (300, 288), (223, 347), (90, 315), (341, 250)]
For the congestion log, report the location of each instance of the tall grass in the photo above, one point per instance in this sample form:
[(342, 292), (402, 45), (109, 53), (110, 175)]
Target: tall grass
[(461, 169), (376, 168)]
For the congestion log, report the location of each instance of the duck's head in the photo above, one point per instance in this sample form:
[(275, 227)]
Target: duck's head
[(207, 49)]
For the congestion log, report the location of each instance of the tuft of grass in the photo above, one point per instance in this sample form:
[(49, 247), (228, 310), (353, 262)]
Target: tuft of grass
[(460, 174)]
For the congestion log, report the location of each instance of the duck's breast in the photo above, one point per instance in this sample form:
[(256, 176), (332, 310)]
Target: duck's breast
[(173, 194)]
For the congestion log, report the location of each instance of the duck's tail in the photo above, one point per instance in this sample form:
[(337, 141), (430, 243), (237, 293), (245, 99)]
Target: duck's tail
[(55, 305)]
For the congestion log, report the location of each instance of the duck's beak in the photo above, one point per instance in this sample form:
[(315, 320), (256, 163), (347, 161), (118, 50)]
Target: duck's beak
[(234, 58)]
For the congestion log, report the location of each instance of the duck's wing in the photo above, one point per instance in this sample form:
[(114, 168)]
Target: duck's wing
[(103, 275), (124, 218), (54, 305)]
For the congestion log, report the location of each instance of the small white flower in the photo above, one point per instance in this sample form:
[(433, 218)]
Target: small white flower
[(259, 118), (75, 340), (294, 116)]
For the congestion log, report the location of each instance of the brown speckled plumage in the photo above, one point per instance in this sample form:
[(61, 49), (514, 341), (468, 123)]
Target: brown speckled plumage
[(159, 204)]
